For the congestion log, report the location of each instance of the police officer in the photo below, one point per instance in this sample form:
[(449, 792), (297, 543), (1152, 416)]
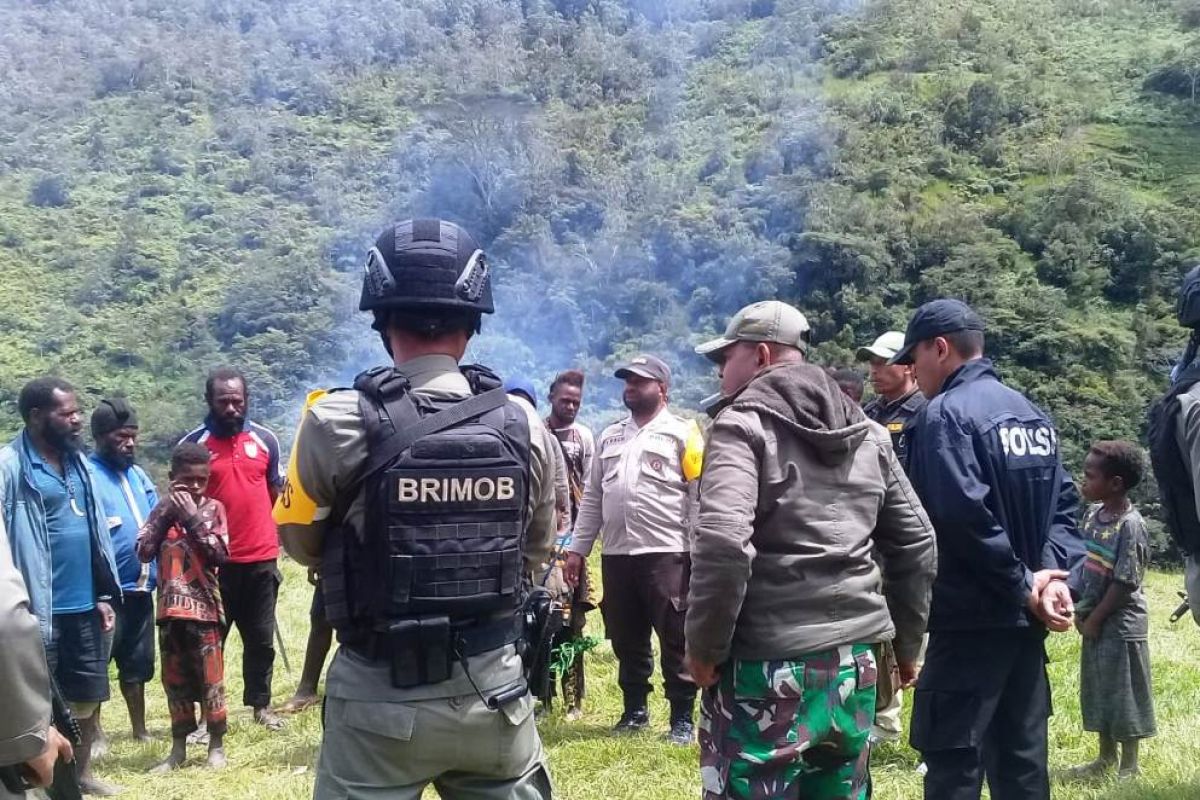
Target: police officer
[(895, 405), (640, 501), (427, 498), (985, 462), (897, 397)]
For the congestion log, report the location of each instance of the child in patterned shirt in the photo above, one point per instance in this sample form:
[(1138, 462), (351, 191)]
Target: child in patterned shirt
[(1111, 614), (187, 533)]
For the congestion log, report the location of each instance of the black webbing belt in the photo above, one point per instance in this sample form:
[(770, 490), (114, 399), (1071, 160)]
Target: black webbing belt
[(470, 641)]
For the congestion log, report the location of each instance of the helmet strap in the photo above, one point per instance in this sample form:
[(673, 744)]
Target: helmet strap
[(381, 325)]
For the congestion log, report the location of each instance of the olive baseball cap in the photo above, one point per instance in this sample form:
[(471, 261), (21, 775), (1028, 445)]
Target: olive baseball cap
[(885, 347), (936, 318), (764, 321), (645, 366)]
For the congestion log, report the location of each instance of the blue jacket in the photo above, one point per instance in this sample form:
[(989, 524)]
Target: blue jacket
[(127, 497), (30, 539), (986, 464)]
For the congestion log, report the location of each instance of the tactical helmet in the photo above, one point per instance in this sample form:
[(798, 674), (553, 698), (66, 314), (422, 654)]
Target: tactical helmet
[(426, 266), (1188, 311)]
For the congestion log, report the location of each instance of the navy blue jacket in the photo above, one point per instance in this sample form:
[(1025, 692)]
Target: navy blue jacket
[(986, 464)]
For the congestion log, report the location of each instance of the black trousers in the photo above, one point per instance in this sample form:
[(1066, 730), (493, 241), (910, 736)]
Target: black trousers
[(981, 709), (643, 593), (250, 592)]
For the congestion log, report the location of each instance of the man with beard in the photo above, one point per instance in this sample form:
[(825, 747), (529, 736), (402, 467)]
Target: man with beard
[(577, 445), (245, 477), (127, 495), (59, 537), (639, 499), (576, 440)]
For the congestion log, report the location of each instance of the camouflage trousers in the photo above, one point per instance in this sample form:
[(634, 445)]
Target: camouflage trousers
[(790, 729)]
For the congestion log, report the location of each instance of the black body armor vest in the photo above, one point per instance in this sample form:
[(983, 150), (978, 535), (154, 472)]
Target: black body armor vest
[(439, 563)]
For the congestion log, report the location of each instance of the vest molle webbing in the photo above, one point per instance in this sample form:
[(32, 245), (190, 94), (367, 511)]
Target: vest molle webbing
[(447, 489)]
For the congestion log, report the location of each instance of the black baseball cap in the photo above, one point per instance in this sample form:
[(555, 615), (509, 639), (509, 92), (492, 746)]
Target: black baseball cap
[(936, 318), (645, 366)]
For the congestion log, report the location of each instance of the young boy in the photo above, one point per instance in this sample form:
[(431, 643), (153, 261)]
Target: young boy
[(1111, 614), (186, 532)]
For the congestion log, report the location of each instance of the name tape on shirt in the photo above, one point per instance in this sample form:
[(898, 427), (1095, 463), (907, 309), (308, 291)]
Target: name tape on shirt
[(421, 490), (1021, 441)]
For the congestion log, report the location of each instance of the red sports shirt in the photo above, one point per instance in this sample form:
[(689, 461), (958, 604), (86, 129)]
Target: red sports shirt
[(243, 470)]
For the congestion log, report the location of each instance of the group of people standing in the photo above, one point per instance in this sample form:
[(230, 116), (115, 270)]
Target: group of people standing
[(802, 562), (821, 536), (93, 540), (828, 557)]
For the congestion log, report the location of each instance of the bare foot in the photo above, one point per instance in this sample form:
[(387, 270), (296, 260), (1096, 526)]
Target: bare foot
[(298, 703), (216, 758), (173, 761)]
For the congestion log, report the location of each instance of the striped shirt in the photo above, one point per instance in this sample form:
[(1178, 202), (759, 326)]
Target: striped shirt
[(1117, 551)]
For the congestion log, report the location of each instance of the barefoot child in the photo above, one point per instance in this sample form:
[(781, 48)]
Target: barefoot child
[(1111, 613), (186, 532)]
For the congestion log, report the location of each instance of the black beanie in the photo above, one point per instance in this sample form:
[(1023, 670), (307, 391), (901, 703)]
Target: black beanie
[(112, 414)]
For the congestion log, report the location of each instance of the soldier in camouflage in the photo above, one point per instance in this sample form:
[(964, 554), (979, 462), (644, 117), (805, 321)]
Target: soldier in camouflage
[(804, 512), (809, 734)]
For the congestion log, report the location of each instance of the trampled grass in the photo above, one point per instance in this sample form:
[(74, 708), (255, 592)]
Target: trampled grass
[(588, 764)]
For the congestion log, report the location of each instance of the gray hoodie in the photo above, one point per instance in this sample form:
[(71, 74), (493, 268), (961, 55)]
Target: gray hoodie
[(810, 536)]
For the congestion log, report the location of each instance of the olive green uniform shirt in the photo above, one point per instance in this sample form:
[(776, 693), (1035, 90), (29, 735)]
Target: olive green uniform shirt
[(327, 459)]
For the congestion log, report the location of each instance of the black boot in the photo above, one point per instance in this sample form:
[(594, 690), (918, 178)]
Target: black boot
[(683, 730), (636, 716)]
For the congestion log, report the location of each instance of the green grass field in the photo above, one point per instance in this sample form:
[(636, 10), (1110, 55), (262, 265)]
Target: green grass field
[(588, 764)]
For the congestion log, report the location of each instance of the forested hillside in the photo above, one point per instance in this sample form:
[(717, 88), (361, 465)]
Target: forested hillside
[(189, 182)]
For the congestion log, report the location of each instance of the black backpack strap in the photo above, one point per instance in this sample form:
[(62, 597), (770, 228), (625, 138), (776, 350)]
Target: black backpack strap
[(1172, 468), (391, 447)]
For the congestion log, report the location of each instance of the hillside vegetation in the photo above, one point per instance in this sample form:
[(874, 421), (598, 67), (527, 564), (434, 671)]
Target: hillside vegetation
[(192, 182)]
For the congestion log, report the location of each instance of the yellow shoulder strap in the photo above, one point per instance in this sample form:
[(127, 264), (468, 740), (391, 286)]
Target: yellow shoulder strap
[(693, 452), (294, 506)]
